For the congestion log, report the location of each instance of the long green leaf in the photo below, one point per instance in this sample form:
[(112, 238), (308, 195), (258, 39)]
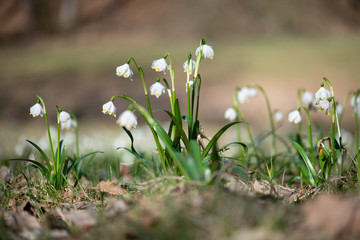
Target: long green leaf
[(180, 130), (246, 149), (42, 154), (312, 174), (79, 159), (45, 171), (217, 136)]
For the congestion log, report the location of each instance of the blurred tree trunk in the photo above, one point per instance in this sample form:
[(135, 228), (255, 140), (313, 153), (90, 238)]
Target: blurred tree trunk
[(45, 15)]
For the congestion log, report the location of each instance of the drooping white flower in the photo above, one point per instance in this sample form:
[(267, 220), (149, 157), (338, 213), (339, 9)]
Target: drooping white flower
[(127, 119), (278, 116), (230, 114), (245, 93), (109, 108), (37, 110), (191, 66), (352, 101), (71, 123), (64, 117), (294, 117), (207, 51), (160, 65), (124, 71), (252, 92), (157, 89), (324, 105), (307, 98), (191, 85), (339, 109), (322, 94)]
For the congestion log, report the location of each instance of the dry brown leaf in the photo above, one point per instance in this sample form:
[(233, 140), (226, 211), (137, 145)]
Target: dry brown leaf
[(111, 188)]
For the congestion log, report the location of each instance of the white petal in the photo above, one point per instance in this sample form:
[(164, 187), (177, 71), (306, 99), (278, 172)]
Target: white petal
[(64, 117), (230, 114)]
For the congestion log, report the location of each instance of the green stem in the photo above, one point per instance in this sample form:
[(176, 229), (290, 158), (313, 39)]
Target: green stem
[(272, 124), (141, 72), (356, 95), (48, 130), (334, 120), (300, 91), (58, 142), (310, 134)]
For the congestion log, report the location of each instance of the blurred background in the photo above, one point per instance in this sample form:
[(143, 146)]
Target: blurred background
[(67, 50)]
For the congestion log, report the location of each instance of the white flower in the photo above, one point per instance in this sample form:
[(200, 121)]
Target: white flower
[(157, 89), (322, 94), (191, 84), (307, 97), (68, 125), (207, 51), (294, 117), (339, 109), (64, 117), (244, 94), (192, 65), (124, 70), (160, 65), (278, 116), (109, 108), (352, 101), (324, 105), (127, 119), (230, 114), (37, 110)]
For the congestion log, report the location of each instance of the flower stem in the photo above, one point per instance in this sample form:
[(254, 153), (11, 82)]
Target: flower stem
[(310, 135), (48, 130), (357, 153), (141, 72), (272, 124)]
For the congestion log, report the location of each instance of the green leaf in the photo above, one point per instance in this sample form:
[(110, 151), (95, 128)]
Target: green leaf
[(42, 154), (312, 174), (217, 136), (179, 129), (79, 159), (246, 149), (43, 169)]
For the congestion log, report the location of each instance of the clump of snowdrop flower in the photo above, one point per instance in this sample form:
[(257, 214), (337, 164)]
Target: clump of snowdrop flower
[(207, 51), (37, 110), (278, 116), (160, 65), (294, 117), (109, 108), (189, 68), (64, 117), (230, 114), (245, 93), (307, 98), (124, 71), (128, 120), (157, 89)]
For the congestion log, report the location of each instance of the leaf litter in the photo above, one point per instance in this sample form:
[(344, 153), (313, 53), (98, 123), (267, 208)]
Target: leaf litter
[(168, 207)]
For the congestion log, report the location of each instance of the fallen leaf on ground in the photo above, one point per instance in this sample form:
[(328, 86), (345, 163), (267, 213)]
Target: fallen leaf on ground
[(111, 188)]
